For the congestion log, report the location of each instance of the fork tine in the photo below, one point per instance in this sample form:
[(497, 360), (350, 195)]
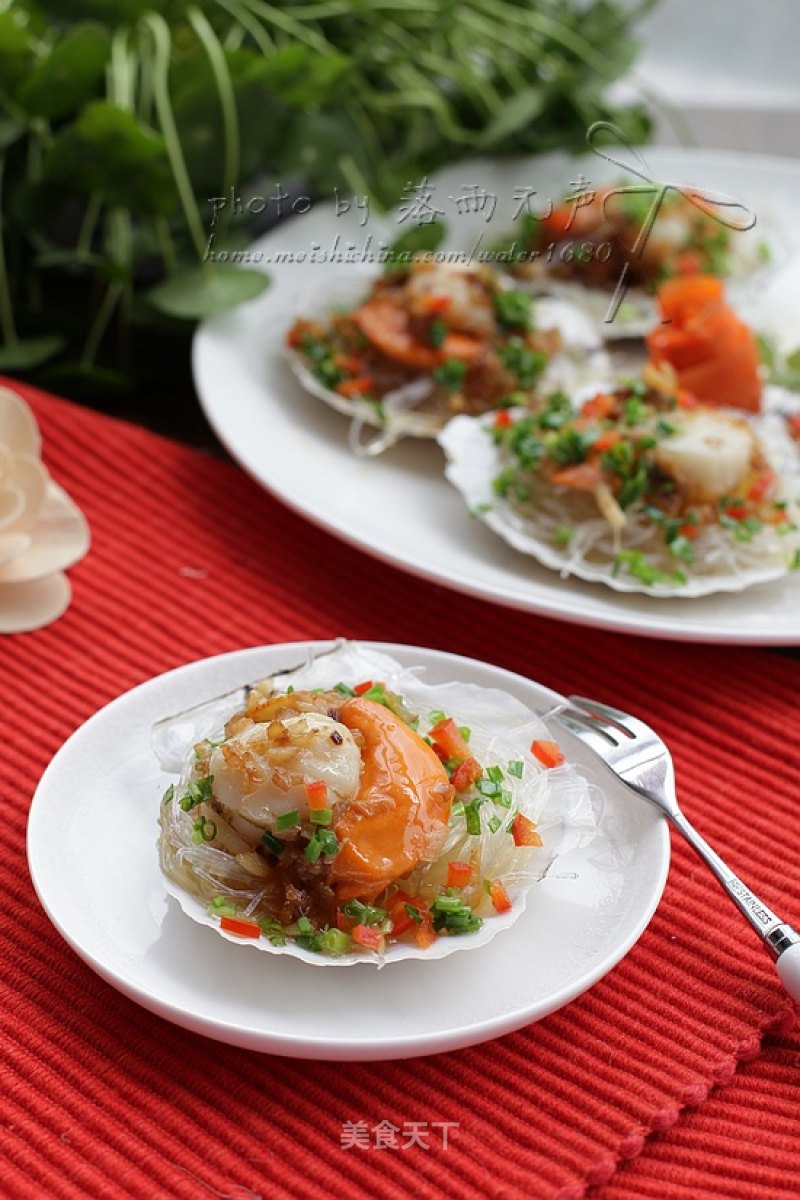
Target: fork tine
[(589, 732), (622, 721)]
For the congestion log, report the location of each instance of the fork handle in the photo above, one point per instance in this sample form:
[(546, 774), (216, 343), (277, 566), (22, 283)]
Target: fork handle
[(780, 940), (788, 968), (762, 918)]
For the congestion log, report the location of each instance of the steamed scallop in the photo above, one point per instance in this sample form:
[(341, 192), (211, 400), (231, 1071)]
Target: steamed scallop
[(708, 455), (263, 772)]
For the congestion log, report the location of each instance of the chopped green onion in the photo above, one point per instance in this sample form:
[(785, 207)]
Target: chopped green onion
[(328, 840), (513, 309), (304, 925), (308, 941), (451, 373), (323, 841), (288, 820), (640, 568), (198, 792), (494, 824), (364, 914), (343, 689), (525, 365), (414, 913), (168, 794), (488, 787), (465, 732), (516, 767), (563, 536), (454, 915), (223, 909), (437, 333), (201, 833), (495, 774), (273, 929), (334, 941), (320, 816), (472, 817), (313, 851), (272, 843)]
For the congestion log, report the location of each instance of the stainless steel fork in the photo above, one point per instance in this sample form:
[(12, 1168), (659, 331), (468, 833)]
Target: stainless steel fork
[(636, 754)]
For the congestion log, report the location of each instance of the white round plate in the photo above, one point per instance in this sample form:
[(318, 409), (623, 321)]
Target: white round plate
[(93, 859), (399, 507)]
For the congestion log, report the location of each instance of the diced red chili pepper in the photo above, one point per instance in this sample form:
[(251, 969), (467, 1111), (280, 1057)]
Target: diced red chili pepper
[(600, 406), (401, 921), (360, 688), (584, 477), (355, 387), (524, 832), (499, 897), (793, 425), (559, 220), (689, 531), (349, 362), (737, 512), (426, 934), (688, 262), (317, 793), (607, 440), (458, 874), (437, 304), (465, 774), (686, 399), (548, 753), (447, 738), (761, 487), (369, 937), (502, 419), (344, 922), (246, 929)]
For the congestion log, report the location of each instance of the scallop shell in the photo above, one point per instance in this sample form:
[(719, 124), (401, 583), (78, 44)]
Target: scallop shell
[(403, 410), (559, 800), (473, 461), (637, 314)]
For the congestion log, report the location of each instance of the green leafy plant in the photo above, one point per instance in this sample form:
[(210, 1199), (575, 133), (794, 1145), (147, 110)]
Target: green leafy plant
[(119, 119)]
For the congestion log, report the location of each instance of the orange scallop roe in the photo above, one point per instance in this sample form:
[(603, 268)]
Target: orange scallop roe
[(399, 816)]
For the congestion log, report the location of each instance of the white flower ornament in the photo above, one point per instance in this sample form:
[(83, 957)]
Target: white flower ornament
[(42, 532)]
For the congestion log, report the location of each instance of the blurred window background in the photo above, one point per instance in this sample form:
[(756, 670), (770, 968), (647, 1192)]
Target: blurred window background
[(724, 72)]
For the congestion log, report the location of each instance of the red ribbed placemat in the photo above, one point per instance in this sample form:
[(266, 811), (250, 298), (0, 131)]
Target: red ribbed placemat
[(99, 1098)]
